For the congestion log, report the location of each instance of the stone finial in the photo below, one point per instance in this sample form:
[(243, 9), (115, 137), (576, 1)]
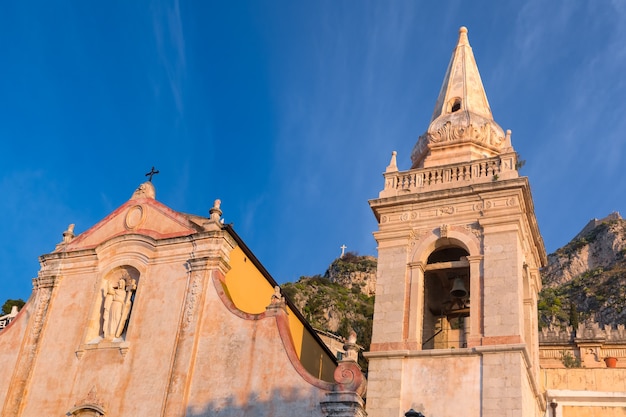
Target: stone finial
[(68, 235), (393, 166), (277, 302), (507, 146), (277, 298), (215, 213), (145, 190), (463, 36), (351, 348), (348, 375)]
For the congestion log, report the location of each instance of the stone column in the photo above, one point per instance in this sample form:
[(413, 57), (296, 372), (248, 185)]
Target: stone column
[(44, 288)]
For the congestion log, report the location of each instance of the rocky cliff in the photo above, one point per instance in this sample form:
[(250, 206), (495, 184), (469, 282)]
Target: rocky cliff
[(341, 300), (586, 278)]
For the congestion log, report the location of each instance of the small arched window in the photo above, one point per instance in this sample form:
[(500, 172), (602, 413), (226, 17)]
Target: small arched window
[(456, 105)]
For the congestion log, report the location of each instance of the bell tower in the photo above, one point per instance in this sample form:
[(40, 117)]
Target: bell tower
[(459, 252)]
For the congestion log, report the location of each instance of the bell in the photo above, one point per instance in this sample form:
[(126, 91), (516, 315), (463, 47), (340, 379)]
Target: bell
[(458, 288)]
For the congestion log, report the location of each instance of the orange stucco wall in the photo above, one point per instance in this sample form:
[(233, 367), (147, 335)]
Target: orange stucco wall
[(251, 292)]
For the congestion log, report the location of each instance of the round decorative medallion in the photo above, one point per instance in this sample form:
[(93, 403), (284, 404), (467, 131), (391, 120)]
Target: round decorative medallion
[(135, 217)]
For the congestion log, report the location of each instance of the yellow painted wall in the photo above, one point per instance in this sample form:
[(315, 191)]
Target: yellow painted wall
[(569, 411), (586, 381), (251, 292)]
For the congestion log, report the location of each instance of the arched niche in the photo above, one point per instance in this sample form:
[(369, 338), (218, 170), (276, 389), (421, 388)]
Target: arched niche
[(446, 298), (113, 305), (438, 258)]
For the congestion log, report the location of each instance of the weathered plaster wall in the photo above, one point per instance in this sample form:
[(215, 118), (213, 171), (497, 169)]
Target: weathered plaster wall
[(10, 343), (133, 384), (250, 291), (432, 382), (242, 367), (442, 385)]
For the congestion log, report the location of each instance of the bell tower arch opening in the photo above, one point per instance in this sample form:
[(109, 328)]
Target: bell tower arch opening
[(446, 299)]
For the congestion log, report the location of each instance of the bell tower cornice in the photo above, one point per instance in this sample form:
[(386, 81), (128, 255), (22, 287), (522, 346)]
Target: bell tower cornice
[(462, 128)]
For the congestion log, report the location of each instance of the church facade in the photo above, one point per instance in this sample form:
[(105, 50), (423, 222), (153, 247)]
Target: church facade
[(154, 312)]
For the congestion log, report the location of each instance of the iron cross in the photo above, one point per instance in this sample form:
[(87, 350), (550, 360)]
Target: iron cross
[(151, 173)]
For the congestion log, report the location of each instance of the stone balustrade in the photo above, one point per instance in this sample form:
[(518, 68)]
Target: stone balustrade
[(588, 345), (585, 332), (427, 179)]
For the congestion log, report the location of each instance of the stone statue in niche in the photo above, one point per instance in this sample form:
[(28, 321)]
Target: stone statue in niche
[(117, 304)]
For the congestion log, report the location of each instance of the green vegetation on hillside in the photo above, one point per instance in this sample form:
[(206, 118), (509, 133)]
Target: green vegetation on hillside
[(335, 308)]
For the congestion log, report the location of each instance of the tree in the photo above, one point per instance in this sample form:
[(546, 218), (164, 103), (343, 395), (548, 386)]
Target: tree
[(8, 304)]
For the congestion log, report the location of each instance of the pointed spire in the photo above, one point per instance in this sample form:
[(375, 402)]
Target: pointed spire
[(462, 88), (462, 128)]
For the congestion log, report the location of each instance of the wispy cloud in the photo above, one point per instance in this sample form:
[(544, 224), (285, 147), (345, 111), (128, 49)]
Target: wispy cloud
[(569, 65), (340, 121), (170, 41)]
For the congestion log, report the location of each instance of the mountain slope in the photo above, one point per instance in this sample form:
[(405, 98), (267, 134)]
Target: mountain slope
[(586, 279)]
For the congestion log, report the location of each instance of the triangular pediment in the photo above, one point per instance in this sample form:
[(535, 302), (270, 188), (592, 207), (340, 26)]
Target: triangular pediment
[(143, 216)]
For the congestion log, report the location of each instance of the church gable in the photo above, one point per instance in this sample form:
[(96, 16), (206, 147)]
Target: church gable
[(142, 214)]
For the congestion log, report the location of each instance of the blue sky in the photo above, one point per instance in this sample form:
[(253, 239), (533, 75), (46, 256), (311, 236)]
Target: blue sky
[(288, 112)]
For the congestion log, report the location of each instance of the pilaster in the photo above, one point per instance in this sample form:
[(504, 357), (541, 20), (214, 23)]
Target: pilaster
[(476, 307), (44, 287), (391, 287), (416, 297), (186, 339)]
